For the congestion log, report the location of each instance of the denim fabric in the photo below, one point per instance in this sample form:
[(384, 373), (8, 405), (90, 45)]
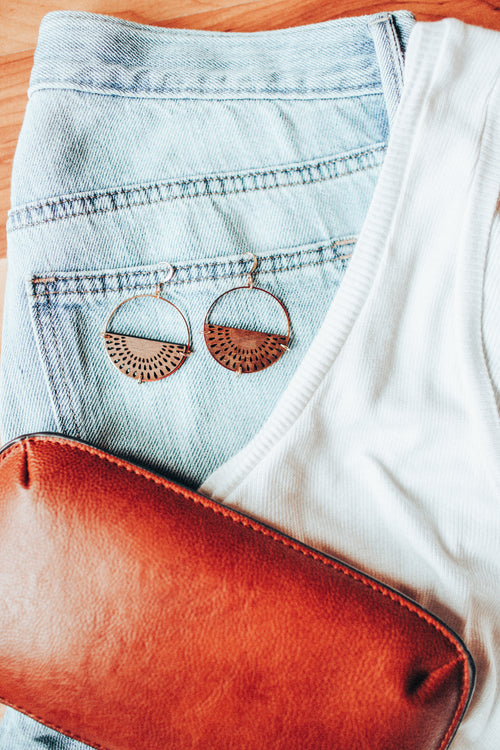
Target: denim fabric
[(19, 732), (164, 156)]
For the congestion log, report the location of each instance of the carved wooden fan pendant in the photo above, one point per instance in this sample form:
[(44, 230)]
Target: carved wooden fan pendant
[(144, 359), (240, 349)]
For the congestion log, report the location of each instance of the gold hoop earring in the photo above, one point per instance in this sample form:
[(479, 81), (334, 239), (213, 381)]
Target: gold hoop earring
[(240, 349), (145, 360)]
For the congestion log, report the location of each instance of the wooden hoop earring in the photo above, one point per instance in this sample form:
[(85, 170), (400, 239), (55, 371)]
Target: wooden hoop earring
[(240, 349), (145, 360)]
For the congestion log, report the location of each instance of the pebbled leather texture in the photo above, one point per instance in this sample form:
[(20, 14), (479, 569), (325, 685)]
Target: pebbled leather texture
[(139, 615)]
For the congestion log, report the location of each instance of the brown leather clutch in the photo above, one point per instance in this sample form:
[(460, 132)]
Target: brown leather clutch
[(139, 615)]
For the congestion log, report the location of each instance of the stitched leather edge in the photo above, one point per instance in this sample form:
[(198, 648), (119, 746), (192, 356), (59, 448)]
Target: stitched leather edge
[(22, 444)]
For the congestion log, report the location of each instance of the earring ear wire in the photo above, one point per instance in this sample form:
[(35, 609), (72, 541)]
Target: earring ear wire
[(252, 270)]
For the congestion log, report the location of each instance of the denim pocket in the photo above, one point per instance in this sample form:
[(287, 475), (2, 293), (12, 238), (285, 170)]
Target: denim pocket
[(192, 421)]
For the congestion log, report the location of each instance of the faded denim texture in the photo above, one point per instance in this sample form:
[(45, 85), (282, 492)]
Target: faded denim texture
[(148, 149)]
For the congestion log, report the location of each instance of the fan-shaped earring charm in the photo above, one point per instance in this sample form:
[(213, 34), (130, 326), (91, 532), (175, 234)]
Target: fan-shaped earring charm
[(143, 359), (240, 349)]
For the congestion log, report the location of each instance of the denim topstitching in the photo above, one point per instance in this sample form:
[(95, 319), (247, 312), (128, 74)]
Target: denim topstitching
[(45, 286), (167, 92), (45, 358), (153, 285), (61, 366), (396, 54), (88, 203)]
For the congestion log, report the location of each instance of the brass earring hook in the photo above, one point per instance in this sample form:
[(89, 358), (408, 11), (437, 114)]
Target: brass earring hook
[(252, 270), (165, 280)]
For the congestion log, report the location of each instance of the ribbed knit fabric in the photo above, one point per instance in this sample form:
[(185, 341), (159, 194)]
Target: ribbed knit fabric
[(385, 448)]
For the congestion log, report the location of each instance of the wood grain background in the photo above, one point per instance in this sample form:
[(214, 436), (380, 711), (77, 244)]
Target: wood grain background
[(20, 19)]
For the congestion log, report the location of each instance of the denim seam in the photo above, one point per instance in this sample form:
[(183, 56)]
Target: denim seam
[(142, 272), (207, 181), (112, 274), (347, 92), (150, 202), (399, 62), (393, 45), (63, 373), (327, 95), (222, 178), (52, 384), (185, 281)]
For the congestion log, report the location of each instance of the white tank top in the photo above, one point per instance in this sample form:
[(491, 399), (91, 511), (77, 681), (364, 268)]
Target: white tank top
[(385, 448)]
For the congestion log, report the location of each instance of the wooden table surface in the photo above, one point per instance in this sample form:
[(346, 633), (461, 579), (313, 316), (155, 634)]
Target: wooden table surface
[(19, 22)]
